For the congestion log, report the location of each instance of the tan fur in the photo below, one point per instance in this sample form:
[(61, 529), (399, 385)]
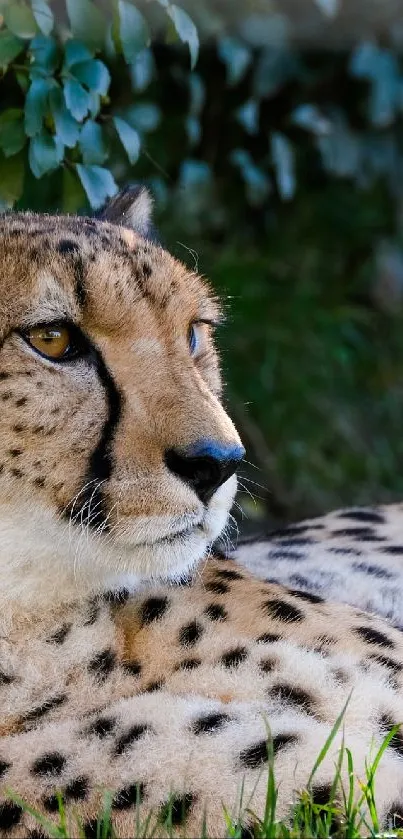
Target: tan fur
[(109, 681)]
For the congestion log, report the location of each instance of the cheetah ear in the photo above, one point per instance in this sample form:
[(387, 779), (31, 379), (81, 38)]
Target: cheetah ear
[(132, 208)]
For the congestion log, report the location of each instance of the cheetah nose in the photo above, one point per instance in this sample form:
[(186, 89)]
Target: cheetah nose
[(205, 465)]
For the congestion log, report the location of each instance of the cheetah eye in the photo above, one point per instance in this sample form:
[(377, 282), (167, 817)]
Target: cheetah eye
[(193, 339), (55, 341), (197, 335)]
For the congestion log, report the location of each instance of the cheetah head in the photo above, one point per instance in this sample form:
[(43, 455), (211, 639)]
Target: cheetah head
[(117, 458)]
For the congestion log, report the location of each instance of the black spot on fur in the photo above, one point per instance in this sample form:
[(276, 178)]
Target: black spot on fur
[(133, 667), (129, 737), (268, 638), (372, 636), (153, 686), (116, 598), (17, 473), (51, 803), (386, 724), (234, 657), (210, 722), (51, 763), (15, 452), (217, 587), (267, 664), (306, 595), (153, 609), (129, 796), (177, 810), (102, 727), (295, 542), (3, 767), (277, 553), (19, 403), (4, 376), (39, 482), (76, 790), (289, 695), (355, 532), (10, 815), (216, 612), (362, 515), (372, 570), (103, 664), (189, 664), (93, 613), (229, 574), (257, 755), (282, 611), (91, 829), (345, 551), (322, 794), (60, 635), (393, 550), (289, 531), (5, 678), (394, 818), (190, 634), (385, 661), (45, 708)]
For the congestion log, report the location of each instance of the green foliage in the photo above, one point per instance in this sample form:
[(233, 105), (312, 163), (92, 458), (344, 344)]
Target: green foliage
[(60, 112)]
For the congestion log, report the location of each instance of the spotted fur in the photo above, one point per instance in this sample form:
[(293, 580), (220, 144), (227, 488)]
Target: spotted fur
[(353, 555), (133, 658)]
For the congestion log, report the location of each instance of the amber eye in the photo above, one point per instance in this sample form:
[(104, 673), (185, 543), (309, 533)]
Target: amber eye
[(56, 341)]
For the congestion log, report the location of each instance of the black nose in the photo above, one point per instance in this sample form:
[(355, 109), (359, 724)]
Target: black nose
[(205, 465)]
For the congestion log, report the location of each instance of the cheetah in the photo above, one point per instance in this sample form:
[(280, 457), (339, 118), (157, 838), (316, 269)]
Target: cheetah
[(134, 657)]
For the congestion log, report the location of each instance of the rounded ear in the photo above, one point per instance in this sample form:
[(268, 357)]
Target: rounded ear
[(131, 207)]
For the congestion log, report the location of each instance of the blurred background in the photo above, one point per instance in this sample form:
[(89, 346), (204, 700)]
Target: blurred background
[(271, 134)]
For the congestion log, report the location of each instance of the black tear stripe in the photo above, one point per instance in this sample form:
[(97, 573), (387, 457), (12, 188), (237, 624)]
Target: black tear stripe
[(90, 508)]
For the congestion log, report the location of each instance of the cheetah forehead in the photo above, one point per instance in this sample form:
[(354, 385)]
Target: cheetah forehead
[(106, 267)]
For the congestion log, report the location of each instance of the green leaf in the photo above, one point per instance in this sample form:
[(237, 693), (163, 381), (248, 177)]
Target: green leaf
[(98, 183), (77, 99), (73, 194), (11, 179), (129, 138), (95, 105), (10, 47), (45, 154), (20, 20), (133, 31), (75, 52), (36, 105), (44, 53), (43, 16), (12, 133), (67, 128), (94, 74), (92, 143), (186, 31), (87, 22)]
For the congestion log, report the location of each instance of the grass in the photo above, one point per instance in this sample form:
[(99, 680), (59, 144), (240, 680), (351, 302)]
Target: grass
[(339, 813)]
